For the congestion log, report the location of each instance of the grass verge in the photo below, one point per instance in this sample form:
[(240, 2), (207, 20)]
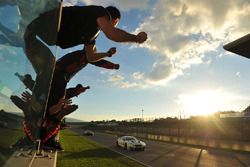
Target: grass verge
[(80, 151)]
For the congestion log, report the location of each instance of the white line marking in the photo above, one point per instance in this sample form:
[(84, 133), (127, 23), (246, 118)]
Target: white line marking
[(121, 153), (127, 156), (55, 159)]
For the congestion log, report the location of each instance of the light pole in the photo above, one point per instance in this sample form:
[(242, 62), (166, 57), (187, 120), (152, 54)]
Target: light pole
[(142, 114)]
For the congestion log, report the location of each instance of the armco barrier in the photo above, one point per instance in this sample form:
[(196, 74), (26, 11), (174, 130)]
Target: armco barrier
[(211, 143)]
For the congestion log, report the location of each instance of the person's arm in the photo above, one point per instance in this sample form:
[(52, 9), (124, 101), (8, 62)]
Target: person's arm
[(72, 92), (106, 64), (92, 56), (119, 35), (57, 107)]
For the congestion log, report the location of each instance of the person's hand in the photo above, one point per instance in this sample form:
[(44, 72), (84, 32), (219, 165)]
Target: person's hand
[(63, 103), (117, 66), (141, 37), (81, 90), (26, 96), (111, 51)]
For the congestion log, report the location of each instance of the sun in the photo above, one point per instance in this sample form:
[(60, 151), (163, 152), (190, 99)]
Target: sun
[(202, 102)]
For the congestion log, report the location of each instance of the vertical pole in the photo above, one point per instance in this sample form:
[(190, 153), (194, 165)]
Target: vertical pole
[(142, 114)]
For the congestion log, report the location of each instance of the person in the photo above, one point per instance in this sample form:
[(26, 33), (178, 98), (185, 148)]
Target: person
[(27, 80), (53, 125), (78, 25), (65, 68), (59, 104), (71, 92)]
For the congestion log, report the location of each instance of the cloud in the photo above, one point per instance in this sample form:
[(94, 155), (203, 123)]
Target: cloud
[(238, 74), (121, 4), (1, 58), (184, 31), (116, 78), (138, 75), (162, 69), (69, 2), (120, 82), (127, 84)]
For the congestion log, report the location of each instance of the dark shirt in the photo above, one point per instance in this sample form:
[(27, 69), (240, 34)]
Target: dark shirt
[(71, 63), (71, 92), (78, 25), (66, 67)]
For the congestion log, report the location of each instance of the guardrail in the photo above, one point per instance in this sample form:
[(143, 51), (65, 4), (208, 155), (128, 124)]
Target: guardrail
[(211, 143)]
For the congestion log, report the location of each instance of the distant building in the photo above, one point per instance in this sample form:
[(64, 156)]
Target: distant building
[(247, 111), (231, 115)]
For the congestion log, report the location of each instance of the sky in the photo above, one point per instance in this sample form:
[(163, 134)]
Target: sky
[(181, 70)]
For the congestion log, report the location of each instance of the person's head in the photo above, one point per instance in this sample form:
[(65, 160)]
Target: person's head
[(114, 14), (28, 76), (78, 86)]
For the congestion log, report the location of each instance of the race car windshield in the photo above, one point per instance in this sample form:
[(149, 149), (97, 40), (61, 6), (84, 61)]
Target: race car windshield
[(130, 138)]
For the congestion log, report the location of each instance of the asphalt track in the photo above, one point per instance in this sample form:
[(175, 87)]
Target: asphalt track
[(160, 154)]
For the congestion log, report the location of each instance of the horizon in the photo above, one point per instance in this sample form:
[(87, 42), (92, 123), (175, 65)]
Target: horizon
[(144, 119)]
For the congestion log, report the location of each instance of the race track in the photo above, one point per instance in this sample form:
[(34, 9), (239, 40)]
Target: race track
[(160, 154)]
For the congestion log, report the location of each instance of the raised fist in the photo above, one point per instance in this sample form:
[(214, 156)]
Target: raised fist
[(141, 37), (112, 51), (117, 66)]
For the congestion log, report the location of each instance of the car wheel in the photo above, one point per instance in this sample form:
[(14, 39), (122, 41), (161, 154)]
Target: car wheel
[(126, 147), (143, 149), (117, 145)]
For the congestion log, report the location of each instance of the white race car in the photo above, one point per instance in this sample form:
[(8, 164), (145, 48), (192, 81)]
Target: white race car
[(88, 133), (130, 143)]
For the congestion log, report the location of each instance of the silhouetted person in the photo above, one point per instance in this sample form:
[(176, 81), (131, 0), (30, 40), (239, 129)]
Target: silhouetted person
[(79, 25), (59, 104)]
